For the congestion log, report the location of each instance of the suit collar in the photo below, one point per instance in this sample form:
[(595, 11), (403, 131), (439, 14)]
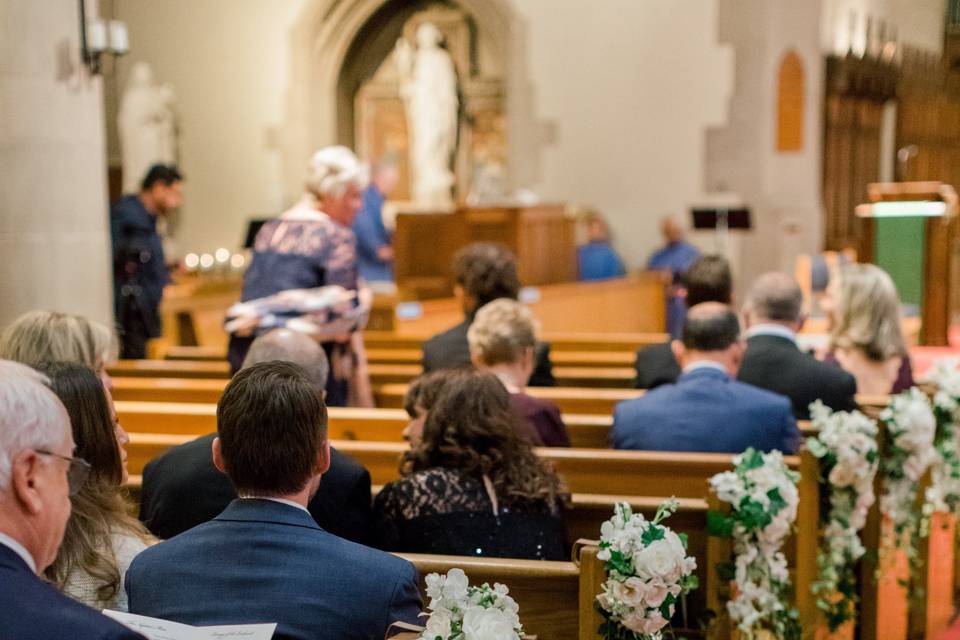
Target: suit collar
[(771, 339), (772, 329), (257, 510), (12, 559)]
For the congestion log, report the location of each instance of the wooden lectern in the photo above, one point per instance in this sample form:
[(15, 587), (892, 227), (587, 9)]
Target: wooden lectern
[(908, 231), (542, 237)]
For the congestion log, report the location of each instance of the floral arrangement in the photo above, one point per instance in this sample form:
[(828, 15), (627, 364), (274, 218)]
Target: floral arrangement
[(846, 446), (910, 426), (461, 612), (763, 496), (943, 494), (648, 570)]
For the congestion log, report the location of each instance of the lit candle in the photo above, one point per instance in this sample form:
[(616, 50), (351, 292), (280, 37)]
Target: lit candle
[(96, 36), (119, 43), (206, 261), (223, 255)]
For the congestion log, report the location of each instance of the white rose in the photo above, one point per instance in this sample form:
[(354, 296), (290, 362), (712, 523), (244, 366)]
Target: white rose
[(658, 559), (455, 586), (438, 625), (487, 624), (842, 475)]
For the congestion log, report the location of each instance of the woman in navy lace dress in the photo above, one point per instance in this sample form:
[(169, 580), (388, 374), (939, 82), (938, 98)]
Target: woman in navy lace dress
[(472, 484)]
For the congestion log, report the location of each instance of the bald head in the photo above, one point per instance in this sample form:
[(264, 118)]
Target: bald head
[(711, 332), (291, 346), (775, 297), (671, 230)]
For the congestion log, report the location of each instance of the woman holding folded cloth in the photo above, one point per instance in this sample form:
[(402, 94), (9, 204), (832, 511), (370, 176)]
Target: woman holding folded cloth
[(472, 484)]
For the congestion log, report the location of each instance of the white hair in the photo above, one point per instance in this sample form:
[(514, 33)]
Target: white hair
[(31, 415), (333, 169)]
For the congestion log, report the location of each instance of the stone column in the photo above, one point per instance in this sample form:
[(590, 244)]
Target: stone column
[(54, 222)]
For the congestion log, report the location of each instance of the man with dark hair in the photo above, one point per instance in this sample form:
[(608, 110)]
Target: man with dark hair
[(773, 315), (482, 272), (264, 559), (707, 409), (707, 280), (139, 269), (182, 488)]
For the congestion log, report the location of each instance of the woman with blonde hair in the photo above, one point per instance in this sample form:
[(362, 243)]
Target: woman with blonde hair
[(50, 336), (863, 311), (471, 484), (101, 538), (503, 341)]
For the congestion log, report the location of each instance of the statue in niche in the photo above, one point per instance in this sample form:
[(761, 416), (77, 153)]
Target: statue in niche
[(428, 87), (147, 126)]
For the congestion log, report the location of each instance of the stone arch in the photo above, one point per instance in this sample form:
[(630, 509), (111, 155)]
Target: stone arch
[(319, 43), (790, 102)]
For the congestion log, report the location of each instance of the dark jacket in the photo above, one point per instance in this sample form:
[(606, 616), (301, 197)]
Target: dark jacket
[(182, 489), (655, 366), (31, 609), (705, 411), (777, 364), (262, 561), (450, 350)]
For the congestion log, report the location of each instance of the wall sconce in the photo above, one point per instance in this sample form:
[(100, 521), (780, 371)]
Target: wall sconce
[(98, 37)]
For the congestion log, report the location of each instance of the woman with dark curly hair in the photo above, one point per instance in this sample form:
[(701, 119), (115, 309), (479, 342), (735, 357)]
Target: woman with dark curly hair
[(473, 485)]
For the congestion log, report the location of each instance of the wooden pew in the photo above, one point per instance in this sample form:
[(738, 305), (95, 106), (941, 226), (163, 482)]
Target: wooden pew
[(379, 373), (559, 341), (371, 425)]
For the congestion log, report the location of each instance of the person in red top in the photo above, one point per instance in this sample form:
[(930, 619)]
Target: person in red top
[(502, 341)]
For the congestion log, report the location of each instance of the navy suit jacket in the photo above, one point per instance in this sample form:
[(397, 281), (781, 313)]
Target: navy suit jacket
[(705, 410), (262, 561), (30, 609)]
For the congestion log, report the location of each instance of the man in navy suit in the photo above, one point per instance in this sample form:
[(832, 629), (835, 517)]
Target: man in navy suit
[(264, 559), (707, 409), (38, 473)]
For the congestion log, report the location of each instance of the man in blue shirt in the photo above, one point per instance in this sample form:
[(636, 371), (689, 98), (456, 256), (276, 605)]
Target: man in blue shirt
[(676, 257), (374, 252), (597, 259), (139, 269)]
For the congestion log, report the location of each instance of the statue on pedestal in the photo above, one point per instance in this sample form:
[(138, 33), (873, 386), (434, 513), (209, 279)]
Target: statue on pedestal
[(428, 86), (147, 126)]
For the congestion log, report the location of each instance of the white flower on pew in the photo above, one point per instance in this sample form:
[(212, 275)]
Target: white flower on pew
[(648, 570), (763, 497), (943, 494), (458, 611), (846, 446), (911, 427)]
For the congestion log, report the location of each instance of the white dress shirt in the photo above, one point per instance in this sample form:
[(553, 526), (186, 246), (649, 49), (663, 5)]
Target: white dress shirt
[(18, 549), (289, 503), (770, 329), (704, 364)]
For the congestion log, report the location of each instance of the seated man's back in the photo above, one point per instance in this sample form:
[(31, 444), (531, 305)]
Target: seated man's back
[(263, 561), (182, 489), (705, 410)]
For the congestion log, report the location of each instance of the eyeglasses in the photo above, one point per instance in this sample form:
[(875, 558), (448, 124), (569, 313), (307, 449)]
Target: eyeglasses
[(77, 473)]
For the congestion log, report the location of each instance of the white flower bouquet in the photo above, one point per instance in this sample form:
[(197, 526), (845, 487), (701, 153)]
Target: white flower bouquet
[(911, 427), (846, 446), (458, 611), (648, 570), (763, 496), (943, 494)]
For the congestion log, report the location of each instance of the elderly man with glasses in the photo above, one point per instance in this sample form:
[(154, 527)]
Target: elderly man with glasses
[(37, 476)]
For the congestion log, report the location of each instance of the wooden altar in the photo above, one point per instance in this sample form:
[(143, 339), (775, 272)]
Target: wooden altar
[(542, 237)]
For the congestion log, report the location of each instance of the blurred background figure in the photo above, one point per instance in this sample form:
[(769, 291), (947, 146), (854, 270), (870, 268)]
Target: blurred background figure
[(374, 248), (676, 256), (597, 259)]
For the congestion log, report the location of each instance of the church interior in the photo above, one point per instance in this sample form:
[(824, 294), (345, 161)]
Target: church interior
[(603, 155)]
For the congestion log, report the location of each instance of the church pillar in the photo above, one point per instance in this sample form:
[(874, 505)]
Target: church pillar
[(54, 239)]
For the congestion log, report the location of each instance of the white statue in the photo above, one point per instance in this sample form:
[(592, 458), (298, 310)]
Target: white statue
[(428, 85), (146, 125)]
